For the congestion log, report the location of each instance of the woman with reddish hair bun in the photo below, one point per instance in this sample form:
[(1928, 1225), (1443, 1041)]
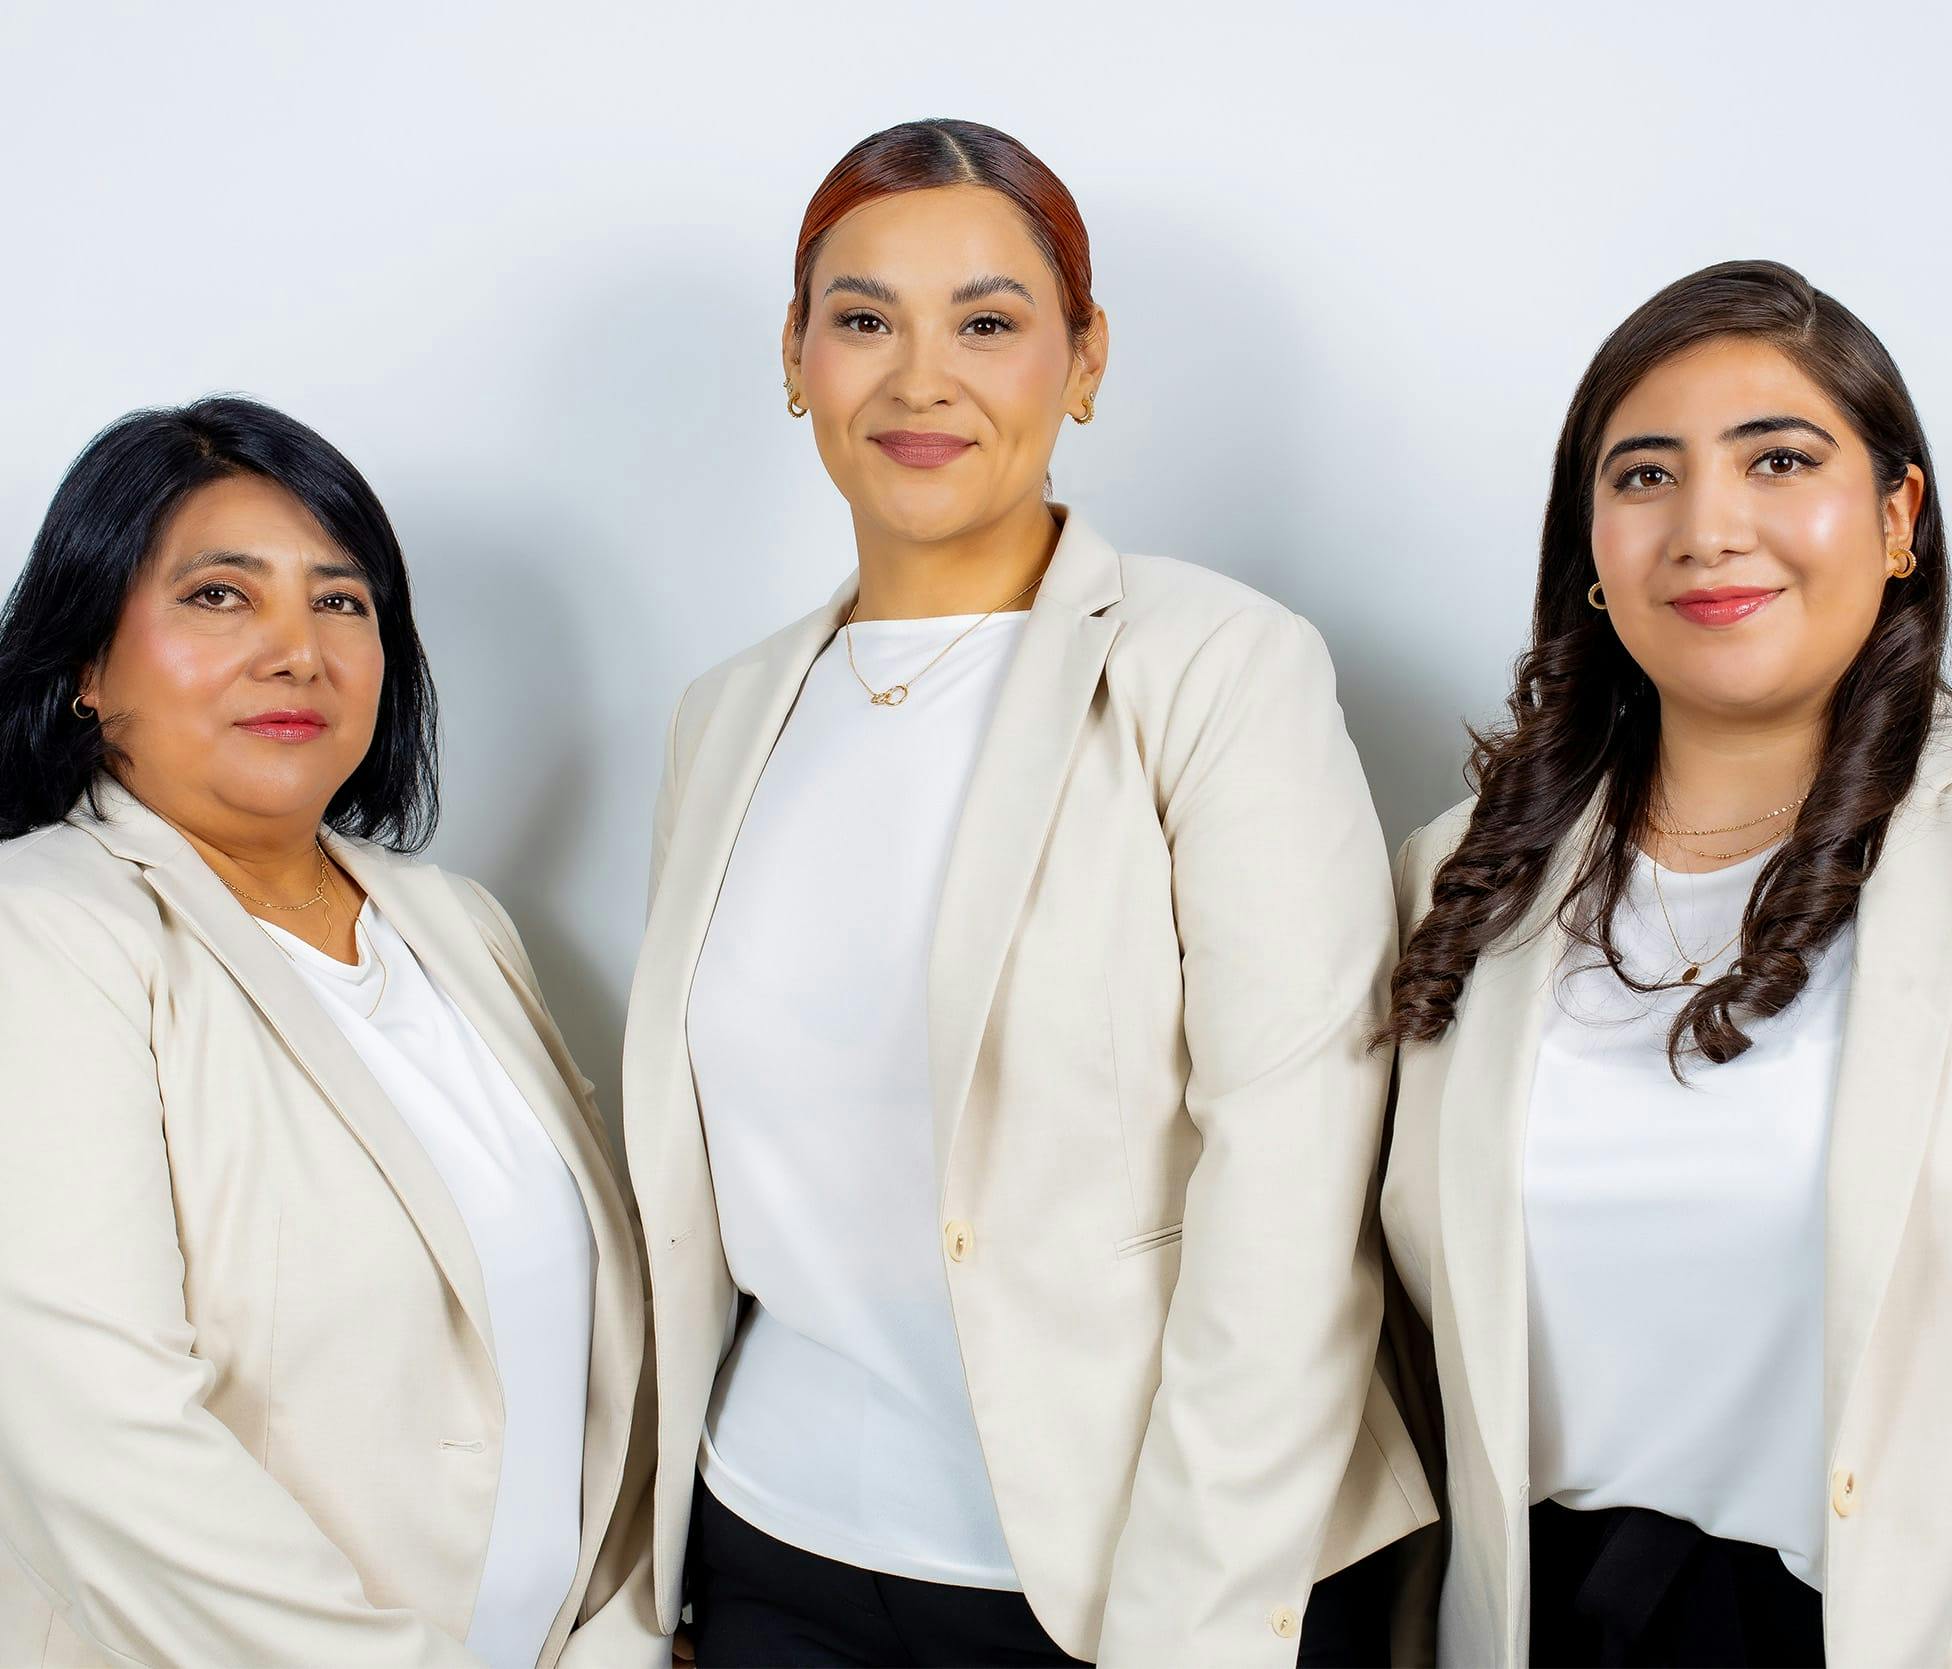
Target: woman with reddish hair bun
[(996, 1083)]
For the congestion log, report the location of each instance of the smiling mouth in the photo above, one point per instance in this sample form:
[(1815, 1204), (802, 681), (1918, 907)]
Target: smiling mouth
[(294, 726), (922, 451), (1726, 606)]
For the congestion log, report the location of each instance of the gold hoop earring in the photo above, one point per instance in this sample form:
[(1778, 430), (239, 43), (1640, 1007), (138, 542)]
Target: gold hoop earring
[(79, 711), (1595, 597), (1903, 565), (793, 399), (1090, 412)]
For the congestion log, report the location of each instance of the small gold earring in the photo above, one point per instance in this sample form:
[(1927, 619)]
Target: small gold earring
[(1903, 565), (1595, 597), (79, 711), (1089, 412), (793, 399)]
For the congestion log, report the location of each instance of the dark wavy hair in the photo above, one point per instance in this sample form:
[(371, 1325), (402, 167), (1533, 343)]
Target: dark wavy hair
[(1584, 720), (103, 526)]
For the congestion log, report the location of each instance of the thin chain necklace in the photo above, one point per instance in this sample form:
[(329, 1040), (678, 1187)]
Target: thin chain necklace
[(1733, 828), (319, 895), (895, 694), (1691, 971)]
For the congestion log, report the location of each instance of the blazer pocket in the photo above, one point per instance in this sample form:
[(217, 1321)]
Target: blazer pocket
[(1149, 1242)]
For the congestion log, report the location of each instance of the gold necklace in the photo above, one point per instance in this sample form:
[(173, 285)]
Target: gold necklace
[(318, 896), (895, 694), (1732, 828), (1726, 857), (1692, 971)]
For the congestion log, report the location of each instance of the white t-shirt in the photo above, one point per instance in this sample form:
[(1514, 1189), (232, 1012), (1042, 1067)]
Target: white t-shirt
[(1675, 1235), (841, 1422), (532, 1238)]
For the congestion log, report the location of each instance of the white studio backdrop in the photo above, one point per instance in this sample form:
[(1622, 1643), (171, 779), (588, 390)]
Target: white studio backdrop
[(527, 267)]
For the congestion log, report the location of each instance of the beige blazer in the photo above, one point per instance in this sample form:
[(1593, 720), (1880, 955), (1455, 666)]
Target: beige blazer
[(1160, 942), (249, 1413), (1453, 1213)]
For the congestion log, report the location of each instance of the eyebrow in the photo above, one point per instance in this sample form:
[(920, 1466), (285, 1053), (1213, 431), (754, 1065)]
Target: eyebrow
[(872, 288), (1754, 429), (990, 284), (257, 565)]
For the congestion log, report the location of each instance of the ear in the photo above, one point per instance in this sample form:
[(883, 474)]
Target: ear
[(1901, 509), (90, 686), (1088, 363), (789, 348)]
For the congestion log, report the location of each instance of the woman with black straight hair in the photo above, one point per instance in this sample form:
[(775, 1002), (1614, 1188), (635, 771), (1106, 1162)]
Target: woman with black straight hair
[(321, 1310), (1672, 1146)]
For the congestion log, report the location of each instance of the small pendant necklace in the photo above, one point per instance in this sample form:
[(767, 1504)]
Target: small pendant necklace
[(895, 694)]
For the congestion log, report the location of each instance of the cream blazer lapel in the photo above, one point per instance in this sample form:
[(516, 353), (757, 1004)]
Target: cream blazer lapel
[(1480, 1168), (192, 891), (1013, 793), (428, 914), (1897, 1037)]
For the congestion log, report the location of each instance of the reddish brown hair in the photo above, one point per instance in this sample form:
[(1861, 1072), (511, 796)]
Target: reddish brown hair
[(916, 156)]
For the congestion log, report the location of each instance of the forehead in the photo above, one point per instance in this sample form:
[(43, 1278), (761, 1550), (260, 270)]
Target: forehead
[(934, 239), (1698, 394), (243, 513)]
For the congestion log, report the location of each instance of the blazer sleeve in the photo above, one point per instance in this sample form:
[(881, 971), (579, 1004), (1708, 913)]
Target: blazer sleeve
[(149, 1526), (1281, 887)]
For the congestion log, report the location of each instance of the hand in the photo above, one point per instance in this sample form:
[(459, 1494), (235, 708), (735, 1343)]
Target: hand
[(681, 1648)]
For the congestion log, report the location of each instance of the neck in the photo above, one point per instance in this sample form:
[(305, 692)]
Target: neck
[(278, 860), (1714, 773), (969, 573)]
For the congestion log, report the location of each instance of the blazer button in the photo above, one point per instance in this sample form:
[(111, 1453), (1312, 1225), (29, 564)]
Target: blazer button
[(959, 1239), (1284, 1622), (1843, 1492)]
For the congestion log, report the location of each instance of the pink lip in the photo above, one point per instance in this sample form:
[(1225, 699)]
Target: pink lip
[(298, 724), (1724, 606), (920, 450)]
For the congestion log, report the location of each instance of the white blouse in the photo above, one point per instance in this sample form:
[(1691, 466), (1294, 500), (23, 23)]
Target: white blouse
[(1675, 1236), (532, 1238), (841, 1422)]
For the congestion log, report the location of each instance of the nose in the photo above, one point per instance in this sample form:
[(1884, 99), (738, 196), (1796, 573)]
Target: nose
[(920, 377), (289, 647), (1714, 520)]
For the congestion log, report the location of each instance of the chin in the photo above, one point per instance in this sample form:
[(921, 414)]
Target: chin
[(924, 510), (280, 796), (1754, 699)]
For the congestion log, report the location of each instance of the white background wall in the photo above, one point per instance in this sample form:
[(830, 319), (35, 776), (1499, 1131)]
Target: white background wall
[(527, 266)]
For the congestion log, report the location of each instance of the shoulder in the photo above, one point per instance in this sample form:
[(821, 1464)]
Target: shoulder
[(701, 695), (67, 863), (68, 902), (1167, 600), (1177, 620)]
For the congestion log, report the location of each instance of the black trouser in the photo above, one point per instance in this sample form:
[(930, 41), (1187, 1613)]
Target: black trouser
[(759, 1604), (1627, 1586)]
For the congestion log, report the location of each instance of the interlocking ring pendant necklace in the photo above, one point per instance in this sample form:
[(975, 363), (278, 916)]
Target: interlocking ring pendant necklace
[(895, 694)]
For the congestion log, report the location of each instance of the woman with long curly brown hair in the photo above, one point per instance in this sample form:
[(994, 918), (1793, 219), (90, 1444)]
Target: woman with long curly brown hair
[(1671, 1159)]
